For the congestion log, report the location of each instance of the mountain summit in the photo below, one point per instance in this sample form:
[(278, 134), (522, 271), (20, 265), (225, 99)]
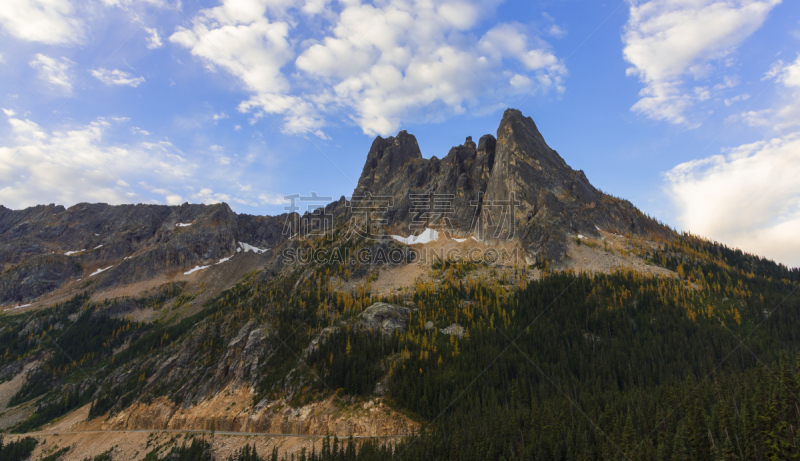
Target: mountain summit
[(515, 173), (511, 186), (150, 320)]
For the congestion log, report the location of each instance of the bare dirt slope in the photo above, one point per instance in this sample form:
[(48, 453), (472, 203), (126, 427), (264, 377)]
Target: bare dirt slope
[(134, 446), (136, 431)]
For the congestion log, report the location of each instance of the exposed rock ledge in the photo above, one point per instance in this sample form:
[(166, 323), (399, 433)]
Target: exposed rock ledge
[(230, 410)]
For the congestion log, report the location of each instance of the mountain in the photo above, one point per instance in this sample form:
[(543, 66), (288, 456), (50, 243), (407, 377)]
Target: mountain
[(44, 247), (554, 201), (611, 337)]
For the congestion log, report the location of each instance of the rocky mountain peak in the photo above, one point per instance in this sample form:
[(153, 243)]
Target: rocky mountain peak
[(551, 200), (524, 163), (387, 156), (45, 247)]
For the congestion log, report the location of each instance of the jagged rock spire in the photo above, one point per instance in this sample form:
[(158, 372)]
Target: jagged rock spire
[(552, 201), (386, 157)]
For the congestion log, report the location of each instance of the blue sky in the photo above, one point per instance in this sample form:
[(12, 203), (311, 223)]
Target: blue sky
[(688, 108)]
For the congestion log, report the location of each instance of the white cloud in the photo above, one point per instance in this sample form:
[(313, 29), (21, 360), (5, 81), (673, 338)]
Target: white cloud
[(727, 82), (237, 37), (786, 111), (80, 165), (53, 71), (790, 75), (520, 81), (240, 39), (272, 199), (667, 41), (556, 31), (209, 197), (774, 70), (553, 29), (737, 98), (127, 4), (116, 77), (173, 199), (749, 198), (315, 6), (153, 40), (45, 21), (702, 93), (406, 64), (223, 159), (377, 67)]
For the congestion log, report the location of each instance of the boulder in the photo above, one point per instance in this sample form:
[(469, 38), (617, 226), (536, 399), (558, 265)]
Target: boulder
[(385, 317)]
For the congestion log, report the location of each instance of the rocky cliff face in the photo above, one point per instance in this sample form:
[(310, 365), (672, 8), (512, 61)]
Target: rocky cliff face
[(421, 188), (43, 247), (513, 186), (554, 201)]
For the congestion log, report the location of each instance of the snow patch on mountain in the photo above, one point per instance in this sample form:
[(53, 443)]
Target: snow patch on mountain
[(426, 236), (195, 269), (246, 247), (100, 270)]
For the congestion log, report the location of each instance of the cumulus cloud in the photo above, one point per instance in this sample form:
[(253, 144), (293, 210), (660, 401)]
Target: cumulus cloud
[(749, 197), (209, 197), (380, 67), (78, 164), (407, 63), (116, 77), (237, 37), (668, 41), (45, 21), (173, 199), (153, 39), (55, 72)]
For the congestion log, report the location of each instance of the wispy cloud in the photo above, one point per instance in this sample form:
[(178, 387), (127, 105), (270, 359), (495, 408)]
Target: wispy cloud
[(749, 195), (116, 77), (668, 42), (785, 114), (80, 165), (153, 39), (55, 72)]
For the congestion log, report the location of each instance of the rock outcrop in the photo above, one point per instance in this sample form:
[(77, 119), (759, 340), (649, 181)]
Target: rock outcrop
[(385, 318), (36, 276), (420, 189), (513, 186), (553, 201), (43, 247)]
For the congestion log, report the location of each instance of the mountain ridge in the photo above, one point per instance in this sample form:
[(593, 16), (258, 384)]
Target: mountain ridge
[(511, 186), (192, 317)]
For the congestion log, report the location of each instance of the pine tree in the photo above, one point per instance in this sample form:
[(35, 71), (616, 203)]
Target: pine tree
[(680, 447)]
